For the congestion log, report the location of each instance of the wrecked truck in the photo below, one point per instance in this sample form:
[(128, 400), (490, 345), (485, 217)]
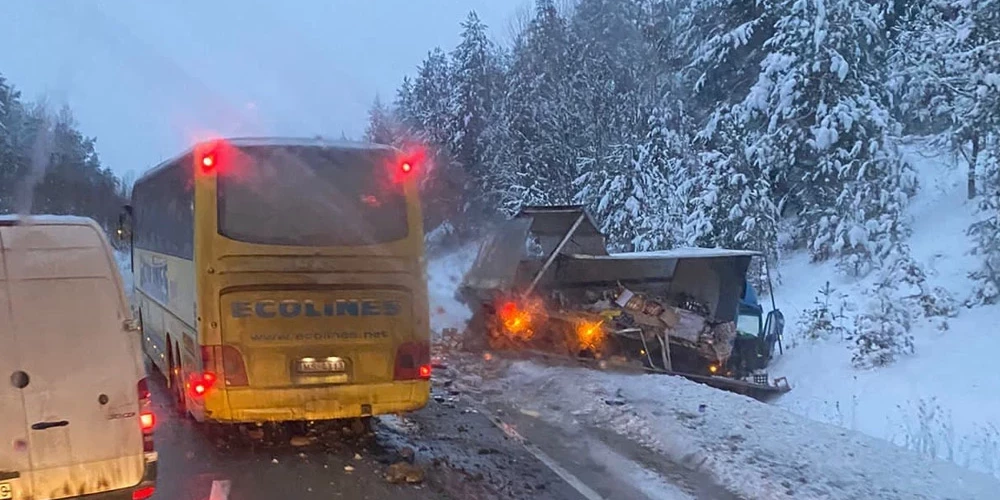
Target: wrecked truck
[(545, 282)]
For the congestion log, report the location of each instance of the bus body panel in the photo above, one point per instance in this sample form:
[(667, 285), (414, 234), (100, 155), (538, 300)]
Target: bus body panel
[(166, 297), (377, 295)]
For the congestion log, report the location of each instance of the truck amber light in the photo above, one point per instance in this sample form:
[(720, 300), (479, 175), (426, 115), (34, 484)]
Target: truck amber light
[(590, 334)]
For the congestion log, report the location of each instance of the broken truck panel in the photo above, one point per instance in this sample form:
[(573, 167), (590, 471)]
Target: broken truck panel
[(496, 265), (714, 277), (549, 225)]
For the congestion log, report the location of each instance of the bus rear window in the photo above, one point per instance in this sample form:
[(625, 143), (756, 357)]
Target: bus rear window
[(310, 196)]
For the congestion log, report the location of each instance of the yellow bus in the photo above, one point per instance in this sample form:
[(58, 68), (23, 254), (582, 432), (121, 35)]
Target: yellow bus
[(283, 279)]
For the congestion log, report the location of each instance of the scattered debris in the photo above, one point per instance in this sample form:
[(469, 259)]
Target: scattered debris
[(348, 468), (299, 441), (407, 454), (401, 472), (357, 456), (358, 427)]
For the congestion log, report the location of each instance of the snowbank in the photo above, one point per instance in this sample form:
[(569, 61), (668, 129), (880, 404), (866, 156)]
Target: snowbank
[(124, 261), (939, 401), (753, 449), (444, 275)]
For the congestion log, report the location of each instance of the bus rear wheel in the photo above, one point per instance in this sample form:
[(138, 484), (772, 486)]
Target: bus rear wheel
[(176, 380)]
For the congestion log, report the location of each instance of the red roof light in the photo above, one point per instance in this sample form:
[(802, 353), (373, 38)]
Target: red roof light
[(406, 167), (208, 162)]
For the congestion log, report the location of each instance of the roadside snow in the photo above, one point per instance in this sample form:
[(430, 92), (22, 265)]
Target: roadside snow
[(124, 260), (753, 449), (444, 274), (651, 484), (940, 401)]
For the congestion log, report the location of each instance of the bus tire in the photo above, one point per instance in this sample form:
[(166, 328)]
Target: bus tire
[(176, 380)]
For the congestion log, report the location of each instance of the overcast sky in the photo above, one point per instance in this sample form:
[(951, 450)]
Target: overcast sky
[(148, 78)]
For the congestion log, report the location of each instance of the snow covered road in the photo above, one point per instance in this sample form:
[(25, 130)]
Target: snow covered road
[(752, 449)]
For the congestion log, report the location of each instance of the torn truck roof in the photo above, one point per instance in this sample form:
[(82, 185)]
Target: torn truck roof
[(674, 253)]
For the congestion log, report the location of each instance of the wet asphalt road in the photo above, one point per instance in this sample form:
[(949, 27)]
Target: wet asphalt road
[(190, 459), (462, 454)]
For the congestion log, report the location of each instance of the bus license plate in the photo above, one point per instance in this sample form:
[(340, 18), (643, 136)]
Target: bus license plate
[(322, 365), (6, 491)]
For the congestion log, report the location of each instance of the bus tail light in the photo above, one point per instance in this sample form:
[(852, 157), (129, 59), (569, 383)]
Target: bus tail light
[(201, 383), (413, 362), (233, 367), (227, 362), (147, 421)]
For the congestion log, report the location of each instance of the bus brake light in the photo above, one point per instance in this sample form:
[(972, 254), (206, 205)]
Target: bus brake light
[(413, 362), (201, 384)]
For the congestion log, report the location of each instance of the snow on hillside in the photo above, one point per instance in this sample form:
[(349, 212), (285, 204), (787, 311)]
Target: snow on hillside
[(941, 400), (753, 449)]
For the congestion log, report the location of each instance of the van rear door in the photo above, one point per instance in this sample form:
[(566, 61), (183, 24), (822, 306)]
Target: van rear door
[(13, 431), (81, 403)]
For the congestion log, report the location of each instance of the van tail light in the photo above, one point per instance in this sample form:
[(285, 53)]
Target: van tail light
[(143, 493), (219, 361), (413, 362), (147, 420), (144, 394)]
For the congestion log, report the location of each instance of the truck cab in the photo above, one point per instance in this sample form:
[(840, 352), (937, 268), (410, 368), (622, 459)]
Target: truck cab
[(756, 335)]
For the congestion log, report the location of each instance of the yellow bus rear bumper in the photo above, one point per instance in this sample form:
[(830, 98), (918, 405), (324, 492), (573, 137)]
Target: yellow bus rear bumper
[(320, 403)]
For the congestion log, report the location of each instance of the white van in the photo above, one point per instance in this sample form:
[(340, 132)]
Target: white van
[(75, 417)]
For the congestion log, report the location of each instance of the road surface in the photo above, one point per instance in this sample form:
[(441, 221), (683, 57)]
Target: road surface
[(462, 454), (465, 447)]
